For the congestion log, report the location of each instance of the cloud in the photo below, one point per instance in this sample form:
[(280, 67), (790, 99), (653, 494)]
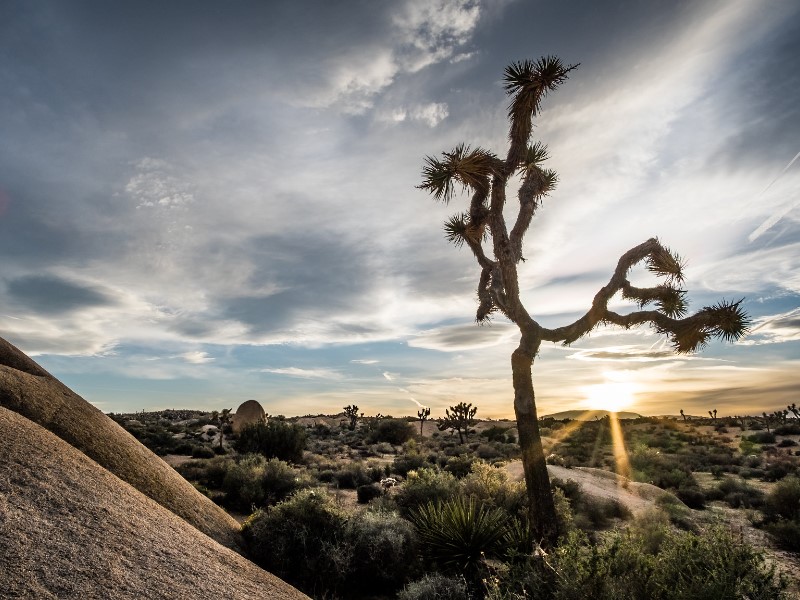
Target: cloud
[(364, 361), (196, 357), (430, 30), (388, 376), (775, 329), (53, 295), (320, 373), (455, 338), (625, 353), (429, 114), (153, 185)]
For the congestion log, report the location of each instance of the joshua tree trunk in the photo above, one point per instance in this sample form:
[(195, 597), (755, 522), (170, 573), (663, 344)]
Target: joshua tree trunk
[(541, 509)]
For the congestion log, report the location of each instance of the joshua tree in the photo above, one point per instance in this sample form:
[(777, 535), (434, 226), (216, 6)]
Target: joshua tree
[(683, 415), (792, 408), (351, 412), (461, 419), (766, 419), (485, 175), (224, 419), (423, 414), (713, 415)]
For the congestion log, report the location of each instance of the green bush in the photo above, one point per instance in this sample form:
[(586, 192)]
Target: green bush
[(280, 480), (682, 566), (786, 534), (762, 437), (301, 540), (424, 486), (383, 551), (276, 439), (202, 452), (459, 533), (460, 465), (392, 431), (365, 493), (436, 586), (490, 485), (411, 461), (244, 491), (783, 501)]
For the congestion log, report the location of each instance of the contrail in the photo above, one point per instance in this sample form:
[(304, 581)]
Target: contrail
[(781, 213)]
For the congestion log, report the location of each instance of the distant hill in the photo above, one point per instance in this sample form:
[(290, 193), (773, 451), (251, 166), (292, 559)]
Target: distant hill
[(582, 415)]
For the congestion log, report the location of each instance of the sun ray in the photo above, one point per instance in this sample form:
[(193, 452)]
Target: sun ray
[(621, 462)]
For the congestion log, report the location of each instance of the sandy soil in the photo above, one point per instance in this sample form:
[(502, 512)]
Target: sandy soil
[(637, 497)]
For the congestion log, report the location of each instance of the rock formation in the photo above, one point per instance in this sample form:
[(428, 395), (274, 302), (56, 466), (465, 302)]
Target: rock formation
[(249, 412), (71, 529)]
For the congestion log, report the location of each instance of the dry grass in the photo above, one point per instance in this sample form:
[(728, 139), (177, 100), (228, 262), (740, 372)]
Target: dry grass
[(29, 390), (71, 529)]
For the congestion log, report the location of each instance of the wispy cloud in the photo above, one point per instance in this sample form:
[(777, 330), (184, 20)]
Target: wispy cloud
[(319, 373), (196, 357)]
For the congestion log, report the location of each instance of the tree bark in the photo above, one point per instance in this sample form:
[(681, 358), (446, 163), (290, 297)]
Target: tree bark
[(541, 508)]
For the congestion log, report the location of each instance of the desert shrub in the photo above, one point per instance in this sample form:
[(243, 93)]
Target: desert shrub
[(301, 540), (383, 549), (460, 465), (365, 493), (436, 586), (254, 482), (490, 485), (411, 461), (351, 475), (280, 480), (787, 443), (788, 429), (682, 566), (209, 473), (693, 497), (783, 501), (762, 437), (424, 486), (495, 433), (392, 431), (487, 451), (738, 493), (202, 452), (786, 534), (242, 484), (459, 533), (275, 439), (676, 512)]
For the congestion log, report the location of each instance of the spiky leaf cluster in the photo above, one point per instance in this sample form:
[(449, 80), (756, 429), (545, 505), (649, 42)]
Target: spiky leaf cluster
[(528, 82), (470, 167), (725, 320), (665, 263)]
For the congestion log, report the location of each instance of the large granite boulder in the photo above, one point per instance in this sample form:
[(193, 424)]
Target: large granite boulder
[(29, 390), (69, 528)]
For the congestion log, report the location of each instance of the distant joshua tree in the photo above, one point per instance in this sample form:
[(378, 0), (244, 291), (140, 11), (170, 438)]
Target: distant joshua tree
[(713, 414), (224, 419), (683, 415), (486, 175), (460, 418), (351, 412), (766, 420), (792, 408), (423, 414)]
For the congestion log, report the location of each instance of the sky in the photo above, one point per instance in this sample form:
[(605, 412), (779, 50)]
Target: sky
[(207, 202)]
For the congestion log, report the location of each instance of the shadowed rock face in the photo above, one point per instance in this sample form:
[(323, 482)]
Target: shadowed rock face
[(29, 390), (71, 529)]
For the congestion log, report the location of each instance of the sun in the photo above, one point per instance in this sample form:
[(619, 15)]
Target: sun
[(610, 396)]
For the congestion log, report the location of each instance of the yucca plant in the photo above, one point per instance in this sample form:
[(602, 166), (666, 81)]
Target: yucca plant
[(458, 533)]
